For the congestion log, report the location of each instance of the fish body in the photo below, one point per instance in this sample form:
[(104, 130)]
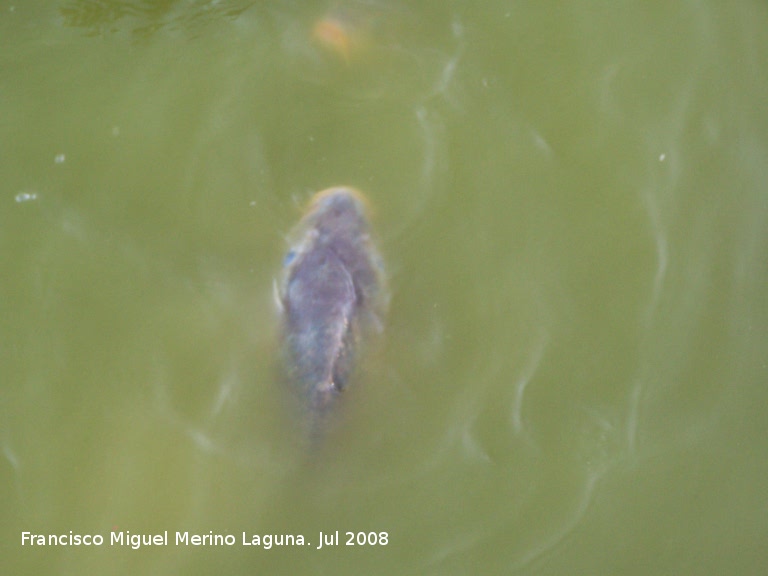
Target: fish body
[(332, 294)]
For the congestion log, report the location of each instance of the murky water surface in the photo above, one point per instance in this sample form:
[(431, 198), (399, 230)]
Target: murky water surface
[(571, 206)]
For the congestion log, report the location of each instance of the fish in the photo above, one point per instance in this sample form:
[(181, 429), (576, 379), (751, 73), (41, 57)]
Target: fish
[(332, 296), (352, 29), (337, 36)]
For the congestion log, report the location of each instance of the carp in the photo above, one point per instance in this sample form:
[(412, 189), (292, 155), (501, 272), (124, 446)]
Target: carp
[(332, 295)]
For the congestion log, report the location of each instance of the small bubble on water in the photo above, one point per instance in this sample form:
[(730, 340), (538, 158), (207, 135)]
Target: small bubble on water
[(59, 158), (115, 131), (662, 157), (26, 197)]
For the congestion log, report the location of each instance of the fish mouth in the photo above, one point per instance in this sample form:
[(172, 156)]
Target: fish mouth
[(329, 196)]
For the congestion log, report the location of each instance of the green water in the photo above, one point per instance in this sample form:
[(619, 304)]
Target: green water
[(571, 203)]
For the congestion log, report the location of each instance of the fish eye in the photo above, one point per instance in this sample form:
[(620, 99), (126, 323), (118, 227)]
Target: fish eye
[(289, 257)]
